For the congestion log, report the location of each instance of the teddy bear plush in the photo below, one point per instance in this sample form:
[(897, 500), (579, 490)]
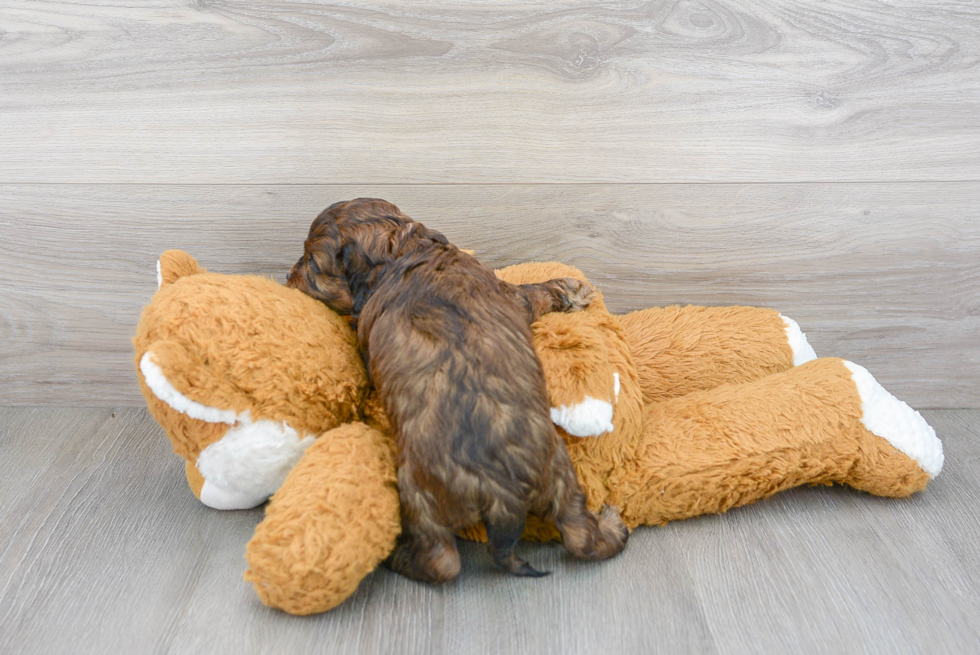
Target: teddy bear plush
[(667, 413)]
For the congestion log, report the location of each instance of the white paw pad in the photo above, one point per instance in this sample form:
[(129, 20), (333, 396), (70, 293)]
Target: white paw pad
[(591, 417), (891, 419)]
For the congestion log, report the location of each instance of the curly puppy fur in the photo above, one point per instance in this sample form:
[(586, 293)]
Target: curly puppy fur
[(449, 348)]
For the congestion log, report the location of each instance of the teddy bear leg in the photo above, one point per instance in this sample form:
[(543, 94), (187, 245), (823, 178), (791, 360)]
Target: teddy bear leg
[(819, 423), (899, 450), (678, 350)]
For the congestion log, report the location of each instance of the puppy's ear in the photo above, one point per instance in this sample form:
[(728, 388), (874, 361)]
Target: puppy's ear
[(329, 283), (413, 231), (423, 232), (371, 246), (319, 274)]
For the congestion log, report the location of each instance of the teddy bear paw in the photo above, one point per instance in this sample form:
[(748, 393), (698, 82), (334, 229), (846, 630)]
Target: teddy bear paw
[(891, 419), (802, 350)]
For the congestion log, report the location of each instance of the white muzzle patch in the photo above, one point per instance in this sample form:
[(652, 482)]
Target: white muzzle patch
[(247, 465)]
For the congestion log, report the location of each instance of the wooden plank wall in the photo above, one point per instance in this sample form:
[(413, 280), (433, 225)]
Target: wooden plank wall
[(822, 158)]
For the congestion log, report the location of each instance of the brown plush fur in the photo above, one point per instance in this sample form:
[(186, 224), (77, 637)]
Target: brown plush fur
[(449, 348), (312, 388), (738, 425), (695, 348), (340, 499), (740, 445)]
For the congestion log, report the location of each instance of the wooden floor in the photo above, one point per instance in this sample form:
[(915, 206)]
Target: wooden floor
[(103, 549)]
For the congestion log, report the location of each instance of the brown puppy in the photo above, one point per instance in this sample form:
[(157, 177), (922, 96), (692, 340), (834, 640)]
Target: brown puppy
[(449, 347)]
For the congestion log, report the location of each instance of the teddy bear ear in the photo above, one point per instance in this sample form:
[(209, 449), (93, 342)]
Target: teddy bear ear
[(175, 264)]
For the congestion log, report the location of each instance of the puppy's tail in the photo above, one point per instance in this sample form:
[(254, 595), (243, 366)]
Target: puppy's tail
[(584, 534)]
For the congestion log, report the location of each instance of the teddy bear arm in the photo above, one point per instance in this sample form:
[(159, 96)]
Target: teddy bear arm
[(678, 350), (335, 518), (814, 424)]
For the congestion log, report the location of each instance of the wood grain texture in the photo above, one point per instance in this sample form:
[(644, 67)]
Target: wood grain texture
[(104, 549), (883, 274), (228, 91)]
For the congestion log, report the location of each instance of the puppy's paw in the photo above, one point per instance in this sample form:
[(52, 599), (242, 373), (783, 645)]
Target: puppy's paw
[(573, 295), (610, 522)]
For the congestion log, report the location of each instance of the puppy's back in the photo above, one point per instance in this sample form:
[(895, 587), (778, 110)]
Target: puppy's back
[(451, 353)]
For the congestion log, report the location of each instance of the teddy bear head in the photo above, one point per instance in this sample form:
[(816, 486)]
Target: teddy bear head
[(243, 373)]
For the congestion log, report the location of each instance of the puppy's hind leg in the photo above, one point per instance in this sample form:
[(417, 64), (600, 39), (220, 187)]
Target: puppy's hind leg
[(426, 548), (503, 533), (425, 555), (583, 534)]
